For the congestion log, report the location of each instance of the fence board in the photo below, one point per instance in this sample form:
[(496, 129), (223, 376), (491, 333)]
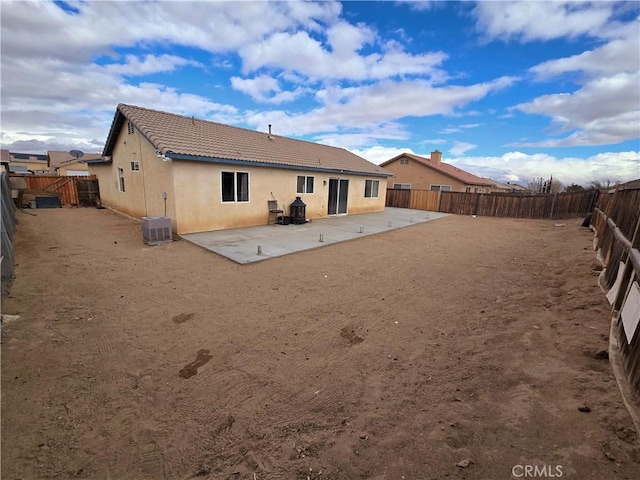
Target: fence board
[(616, 222), (515, 205), (65, 186), (8, 227), (398, 198), (425, 200)]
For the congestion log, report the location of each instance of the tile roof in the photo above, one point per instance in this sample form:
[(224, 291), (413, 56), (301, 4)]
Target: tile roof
[(449, 170), (188, 138)]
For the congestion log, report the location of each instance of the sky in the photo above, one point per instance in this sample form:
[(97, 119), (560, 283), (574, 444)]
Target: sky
[(506, 90)]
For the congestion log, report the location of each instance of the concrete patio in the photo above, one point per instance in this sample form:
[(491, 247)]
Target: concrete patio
[(254, 244)]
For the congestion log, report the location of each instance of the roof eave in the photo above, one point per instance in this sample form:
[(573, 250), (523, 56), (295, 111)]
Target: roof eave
[(97, 161), (232, 161)]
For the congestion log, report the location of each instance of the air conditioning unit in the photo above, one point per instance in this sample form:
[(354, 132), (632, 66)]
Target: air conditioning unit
[(156, 230)]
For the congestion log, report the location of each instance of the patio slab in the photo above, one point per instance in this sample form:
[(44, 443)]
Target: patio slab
[(241, 244)]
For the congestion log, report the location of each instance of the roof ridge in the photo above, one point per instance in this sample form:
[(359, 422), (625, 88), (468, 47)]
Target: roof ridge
[(196, 119)]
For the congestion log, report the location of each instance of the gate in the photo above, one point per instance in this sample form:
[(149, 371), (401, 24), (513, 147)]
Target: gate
[(88, 192)]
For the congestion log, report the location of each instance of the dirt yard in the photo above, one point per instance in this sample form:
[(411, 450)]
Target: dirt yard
[(458, 348)]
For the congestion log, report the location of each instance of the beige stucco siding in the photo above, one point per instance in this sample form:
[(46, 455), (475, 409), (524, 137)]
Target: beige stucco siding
[(143, 188), (421, 177), (194, 194), (72, 169), (199, 205), (31, 165)]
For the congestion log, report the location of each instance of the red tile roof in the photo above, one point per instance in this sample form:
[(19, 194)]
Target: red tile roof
[(188, 138), (449, 170)]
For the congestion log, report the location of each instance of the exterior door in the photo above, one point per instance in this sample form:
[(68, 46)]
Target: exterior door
[(338, 195)]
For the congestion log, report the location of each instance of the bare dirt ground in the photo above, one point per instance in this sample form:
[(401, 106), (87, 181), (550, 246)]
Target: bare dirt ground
[(458, 348)]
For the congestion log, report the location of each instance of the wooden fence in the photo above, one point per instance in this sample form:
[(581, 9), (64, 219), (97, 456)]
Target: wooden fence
[(82, 190), (7, 259), (616, 221), (560, 205)]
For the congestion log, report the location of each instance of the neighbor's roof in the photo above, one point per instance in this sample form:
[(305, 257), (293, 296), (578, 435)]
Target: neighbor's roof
[(60, 158), (27, 157), (449, 170), (187, 138), (4, 155)]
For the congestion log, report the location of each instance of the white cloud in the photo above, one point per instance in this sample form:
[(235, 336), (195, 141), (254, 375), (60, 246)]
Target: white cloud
[(609, 59), (459, 148), (369, 106), (528, 21), (311, 59), (605, 111), (149, 64), (378, 154), (266, 89), (459, 128), (518, 166)]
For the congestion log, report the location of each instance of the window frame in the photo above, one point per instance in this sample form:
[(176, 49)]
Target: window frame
[(372, 190), (121, 185), (305, 185), (236, 176), (447, 188), (402, 186)]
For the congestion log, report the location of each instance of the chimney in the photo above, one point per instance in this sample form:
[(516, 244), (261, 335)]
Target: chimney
[(436, 157), (269, 129)]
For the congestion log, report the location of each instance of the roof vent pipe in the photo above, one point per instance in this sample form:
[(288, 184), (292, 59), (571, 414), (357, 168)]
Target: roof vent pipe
[(269, 129)]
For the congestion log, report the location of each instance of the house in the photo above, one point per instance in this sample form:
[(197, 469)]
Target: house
[(498, 187), (420, 173), (64, 164), (27, 163), (209, 176)]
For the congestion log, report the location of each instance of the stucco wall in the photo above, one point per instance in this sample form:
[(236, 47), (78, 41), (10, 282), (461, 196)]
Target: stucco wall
[(420, 177), (199, 204), (194, 194), (142, 196), (74, 167)]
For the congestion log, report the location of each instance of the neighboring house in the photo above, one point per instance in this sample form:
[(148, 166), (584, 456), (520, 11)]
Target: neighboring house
[(498, 187), (420, 173), (28, 163), (517, 188), (5, 158), (63, 163), (210, 176)]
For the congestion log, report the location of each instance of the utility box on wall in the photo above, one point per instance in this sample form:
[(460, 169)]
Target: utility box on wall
[(156, 230)]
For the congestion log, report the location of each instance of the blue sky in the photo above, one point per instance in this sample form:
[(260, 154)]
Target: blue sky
[(507, 90)]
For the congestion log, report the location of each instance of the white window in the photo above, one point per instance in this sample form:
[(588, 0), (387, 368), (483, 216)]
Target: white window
[(135, 166), (371, 188), (467, 189), (402, 186), (121, 179), (404, 161), (441, 188), (305, 184), (235, 186)]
